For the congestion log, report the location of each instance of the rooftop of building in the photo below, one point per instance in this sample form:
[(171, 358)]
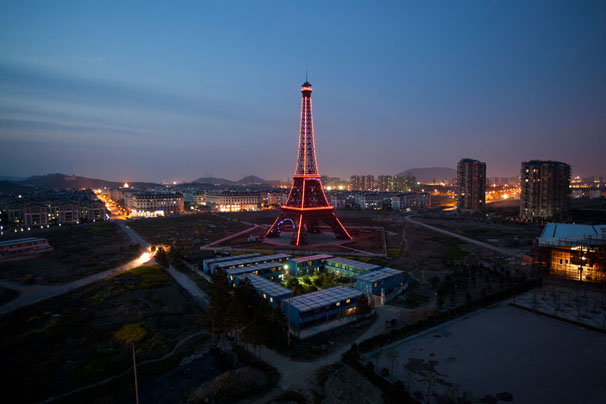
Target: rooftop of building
[(265, 286), (233, 193), (21, 241), (231, 258), (157, 195), (321, 298), (539, 162), (359, 264), (311, 258), (252, 268), (569, 234), (468, 160), (379, 275), (255, 259)]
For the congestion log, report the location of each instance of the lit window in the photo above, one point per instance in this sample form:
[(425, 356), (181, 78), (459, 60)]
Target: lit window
[(348, 300), (264, 296), (338, 304)]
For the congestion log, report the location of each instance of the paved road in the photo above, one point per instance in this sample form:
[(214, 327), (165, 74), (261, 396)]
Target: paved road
[(133, 235), (502, 251), (190, 286), (30, 294)]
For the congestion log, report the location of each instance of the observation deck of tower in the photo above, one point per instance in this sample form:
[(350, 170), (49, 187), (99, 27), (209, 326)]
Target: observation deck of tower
[(307, 205)]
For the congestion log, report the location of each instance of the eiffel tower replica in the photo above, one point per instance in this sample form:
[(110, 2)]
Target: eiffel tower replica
[(307, 206)]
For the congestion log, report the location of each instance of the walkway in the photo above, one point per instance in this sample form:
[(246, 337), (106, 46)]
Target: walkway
[(190, 286), (133, 235), (297, 375), (502, 251)]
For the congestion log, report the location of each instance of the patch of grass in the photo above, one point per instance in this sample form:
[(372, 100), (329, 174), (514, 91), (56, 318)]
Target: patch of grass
[(152, 276), (394, 252), (453, 251)]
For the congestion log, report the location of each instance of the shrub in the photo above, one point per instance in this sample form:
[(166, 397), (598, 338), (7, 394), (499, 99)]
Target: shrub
[(129, 333)]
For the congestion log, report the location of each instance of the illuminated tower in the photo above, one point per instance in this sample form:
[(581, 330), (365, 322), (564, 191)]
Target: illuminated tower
[(307, 205)]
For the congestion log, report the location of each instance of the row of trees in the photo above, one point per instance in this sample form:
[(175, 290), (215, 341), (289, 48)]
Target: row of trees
[(242, 314)]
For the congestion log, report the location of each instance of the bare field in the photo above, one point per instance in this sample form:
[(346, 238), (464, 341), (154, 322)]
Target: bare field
[(507, 234), (85, 336), (79, 251), (187, 231), (426, 249)]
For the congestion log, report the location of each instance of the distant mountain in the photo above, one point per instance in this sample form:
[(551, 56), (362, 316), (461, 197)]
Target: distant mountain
[(62, 181), (11, 185), (213, 180), (11, 178), (431, 173), (248, 180), (253, 179)]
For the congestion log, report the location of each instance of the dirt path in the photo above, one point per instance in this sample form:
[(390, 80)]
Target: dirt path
[(238, 234), (503, 251), (130, 369)]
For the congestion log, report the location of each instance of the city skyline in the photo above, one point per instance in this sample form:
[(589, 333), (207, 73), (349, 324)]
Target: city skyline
[(397, 87)]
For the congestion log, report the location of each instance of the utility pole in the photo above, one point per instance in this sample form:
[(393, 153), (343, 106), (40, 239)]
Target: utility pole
[(135, 369)]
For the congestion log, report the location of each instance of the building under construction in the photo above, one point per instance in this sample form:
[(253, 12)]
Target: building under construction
[(572, 251)]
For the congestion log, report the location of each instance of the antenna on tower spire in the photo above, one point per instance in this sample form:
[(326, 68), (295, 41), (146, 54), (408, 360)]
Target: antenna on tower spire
[(306, 75)]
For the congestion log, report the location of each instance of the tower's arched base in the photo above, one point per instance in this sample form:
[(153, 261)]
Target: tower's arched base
[(307, 221)]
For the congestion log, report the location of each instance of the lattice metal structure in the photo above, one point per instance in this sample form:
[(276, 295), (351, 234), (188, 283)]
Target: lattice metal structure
[(307, 206)]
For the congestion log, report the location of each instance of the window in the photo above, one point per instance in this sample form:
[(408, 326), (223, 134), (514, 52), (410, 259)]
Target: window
[(348, 301), (338, 304)]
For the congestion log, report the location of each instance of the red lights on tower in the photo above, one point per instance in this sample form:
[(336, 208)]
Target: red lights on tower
[(307, 205)]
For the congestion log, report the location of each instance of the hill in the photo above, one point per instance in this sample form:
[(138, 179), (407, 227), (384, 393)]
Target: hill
[(248, 180), (431, 173), (11, 178), (62, 181), (213, 180)]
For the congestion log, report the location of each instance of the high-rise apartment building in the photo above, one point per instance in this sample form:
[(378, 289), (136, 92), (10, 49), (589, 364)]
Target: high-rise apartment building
[(385, 183), (545, 189), (471, 178), (362, 182)]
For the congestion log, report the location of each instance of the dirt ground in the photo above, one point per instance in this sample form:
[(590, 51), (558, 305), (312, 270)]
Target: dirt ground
[(187, 231), (340, 384), (73, 340), (365, 240), (78, 251), (519, 236), (425, 249)]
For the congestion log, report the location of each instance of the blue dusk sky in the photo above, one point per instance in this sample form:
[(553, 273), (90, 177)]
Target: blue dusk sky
[(173, 90)]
